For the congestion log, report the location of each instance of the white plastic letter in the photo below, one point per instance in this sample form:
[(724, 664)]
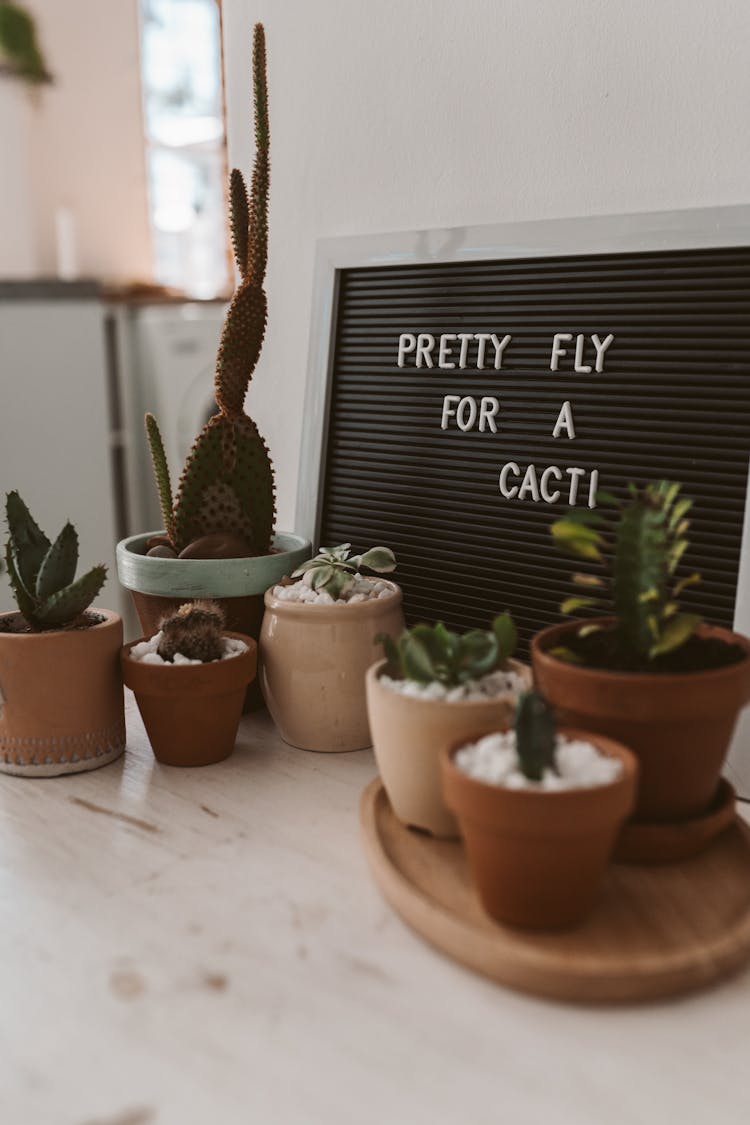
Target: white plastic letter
[(593, 487), (601, 347), (579, 366), (445, 350), (511, 467), (565, 421), (449, 409), (557, 351), (465, 338), (547, 496), (500, 346), (488, 408), (529, 484), (575, 475), (463, 423), (406, 343), (425, 344), (481, 338)]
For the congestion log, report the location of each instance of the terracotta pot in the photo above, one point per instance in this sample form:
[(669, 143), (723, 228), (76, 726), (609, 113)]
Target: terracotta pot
[(313, 664), (61, 700), (679, 726), (191, 712), (159, 586), (536, 857), (410, 734)]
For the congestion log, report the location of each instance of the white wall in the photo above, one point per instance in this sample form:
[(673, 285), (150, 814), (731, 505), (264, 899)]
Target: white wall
[(399, 114), (87, 138)]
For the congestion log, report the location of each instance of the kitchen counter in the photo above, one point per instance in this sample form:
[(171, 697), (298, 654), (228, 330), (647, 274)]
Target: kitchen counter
[(196, 947)]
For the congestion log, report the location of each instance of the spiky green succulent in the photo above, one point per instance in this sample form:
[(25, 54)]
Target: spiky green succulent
[(194, 630), (333, 568), (227, 483), (42, 573), (636, 547), (429, 653), (536, 735)]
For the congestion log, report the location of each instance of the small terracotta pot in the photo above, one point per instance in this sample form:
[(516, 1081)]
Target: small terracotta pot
[(313, 664), (61, 700), (159, 586), (536, 857), (679, 726), (191, 712), (410, 734)]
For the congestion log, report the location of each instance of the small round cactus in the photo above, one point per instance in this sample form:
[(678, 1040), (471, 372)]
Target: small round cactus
[(194, 631)]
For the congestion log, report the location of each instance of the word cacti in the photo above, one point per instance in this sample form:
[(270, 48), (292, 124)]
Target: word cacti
[(333, 568), (194, 631), (227, 484), (536, 735), (42, 573), (429, 653), (639, 553)]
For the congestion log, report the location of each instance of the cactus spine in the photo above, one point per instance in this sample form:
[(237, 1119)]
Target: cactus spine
[(42, 573), (227, 484), (194, 631)]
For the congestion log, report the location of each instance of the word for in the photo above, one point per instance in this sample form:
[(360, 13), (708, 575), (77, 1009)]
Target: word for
[(468, 415), (536, 485), (450, 351)]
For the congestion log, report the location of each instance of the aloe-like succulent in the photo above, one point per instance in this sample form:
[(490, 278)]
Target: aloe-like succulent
[(42, 573), (227, 484), (637, 547), (194, 630), (333, 568), (429, 653), (536, 735)]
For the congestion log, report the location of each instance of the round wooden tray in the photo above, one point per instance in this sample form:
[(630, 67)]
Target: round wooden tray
[(657, 931)]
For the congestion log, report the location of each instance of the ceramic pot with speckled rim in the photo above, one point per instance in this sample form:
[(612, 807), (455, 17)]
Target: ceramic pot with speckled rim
[(409, 735), (61, 699), (313, 664), (191, 712)]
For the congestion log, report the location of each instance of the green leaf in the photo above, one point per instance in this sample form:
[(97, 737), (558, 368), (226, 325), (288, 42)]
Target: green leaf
[(669, 491), (58, 567), (560, 652), (607, 498), (582, 549), (161, 471), (416, 660), (681, 508), (66, 605), (340, 583), (319, 576), (571, 529), (305, 566), (674, 634), (650, 595), (589, 630), (678, 550), (24, 601), (506, 634), (380, 559), (390, 651), (594, 581), (341, 553), (477, 654), (28, 542), (689, 580), (570, 605)]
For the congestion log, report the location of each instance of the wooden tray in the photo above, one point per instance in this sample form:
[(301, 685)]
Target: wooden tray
[(657, 931)]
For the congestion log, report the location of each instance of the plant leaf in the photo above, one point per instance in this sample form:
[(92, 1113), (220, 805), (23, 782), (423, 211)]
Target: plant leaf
[(161, 471), (606, 498), (380, 559), (689, 580), (477, 654), (506, 634), (64, 606), (416, 660), (681, 508), (24, 601), (58, 567), (674, 634), (594, 581), (28, 541), (319, 576), (571, 529), (570, 605), (566, 654)]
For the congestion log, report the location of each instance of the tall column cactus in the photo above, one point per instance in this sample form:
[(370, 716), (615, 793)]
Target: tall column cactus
[(227, 484)]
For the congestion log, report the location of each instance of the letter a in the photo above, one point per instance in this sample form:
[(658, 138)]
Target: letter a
[(565, 422)]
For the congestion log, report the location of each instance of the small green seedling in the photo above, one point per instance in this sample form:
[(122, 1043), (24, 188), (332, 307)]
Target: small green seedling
[(333, 568), (429, 653)]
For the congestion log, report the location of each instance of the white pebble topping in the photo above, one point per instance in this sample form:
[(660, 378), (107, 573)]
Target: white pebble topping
[(494, 759), (363, 590), (146, 651), (491, 686)]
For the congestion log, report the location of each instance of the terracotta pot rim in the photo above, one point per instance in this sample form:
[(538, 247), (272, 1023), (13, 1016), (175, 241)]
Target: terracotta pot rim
[(375, 671), (535, 796), (167, 671), (540, 653), (359, 609), (110, 619)]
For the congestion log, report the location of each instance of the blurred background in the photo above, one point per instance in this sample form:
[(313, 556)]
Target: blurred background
[(396, 115)]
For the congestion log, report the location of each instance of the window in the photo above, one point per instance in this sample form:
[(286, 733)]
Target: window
[(185, 143)]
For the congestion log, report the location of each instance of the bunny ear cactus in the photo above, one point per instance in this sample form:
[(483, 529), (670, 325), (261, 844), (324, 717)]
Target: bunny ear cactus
[(432, 653), (227, 484), (638, 553), (333, 568), (536, 735), (42, 573)]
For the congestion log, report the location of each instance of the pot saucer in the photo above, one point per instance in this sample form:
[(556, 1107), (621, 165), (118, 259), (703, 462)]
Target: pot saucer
[(652, 843)]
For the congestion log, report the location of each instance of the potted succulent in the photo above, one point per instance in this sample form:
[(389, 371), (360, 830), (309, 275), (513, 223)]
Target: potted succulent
[(189, 682), (218, 539), (318, 640), (61, 699), (433, 688), (539, 812), (646, 674)]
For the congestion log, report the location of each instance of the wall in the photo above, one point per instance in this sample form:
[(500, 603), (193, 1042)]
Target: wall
[(87, 139), (428, 113)]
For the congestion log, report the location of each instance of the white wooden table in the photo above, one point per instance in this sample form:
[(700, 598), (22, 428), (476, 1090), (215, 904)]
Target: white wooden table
[(206, 947)]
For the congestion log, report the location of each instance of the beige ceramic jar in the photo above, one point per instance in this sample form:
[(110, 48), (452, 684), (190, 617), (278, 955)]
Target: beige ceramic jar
[(409, 736), (313, 664)]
